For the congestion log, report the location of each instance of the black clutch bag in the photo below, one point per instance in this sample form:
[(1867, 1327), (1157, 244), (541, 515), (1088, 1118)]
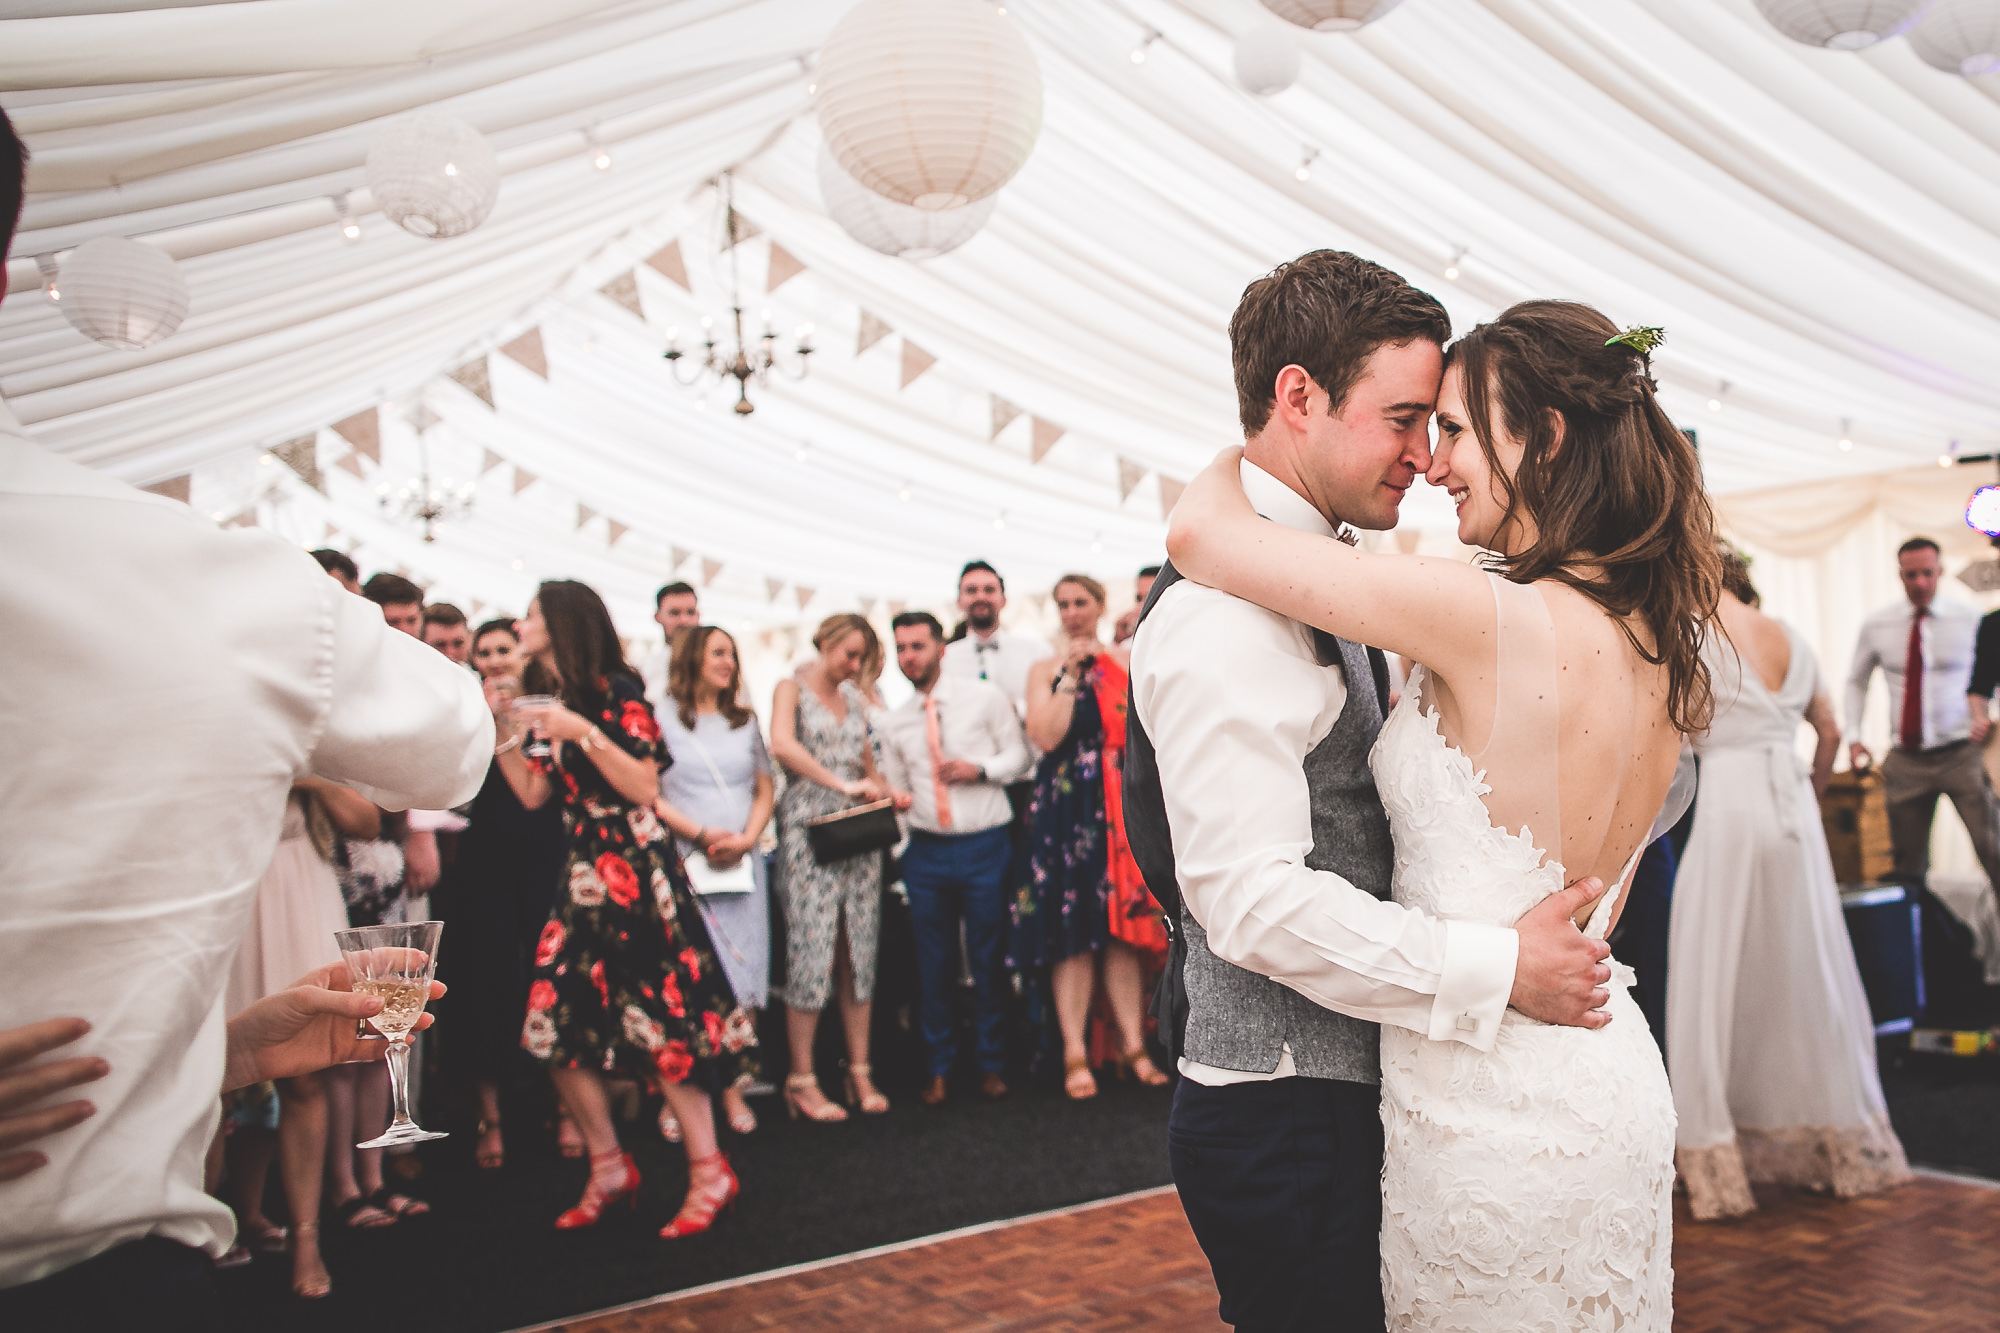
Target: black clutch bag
[(851, 833)]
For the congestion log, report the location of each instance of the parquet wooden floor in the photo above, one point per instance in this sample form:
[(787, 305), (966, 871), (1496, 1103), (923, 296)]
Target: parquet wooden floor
[(1922, 1259)]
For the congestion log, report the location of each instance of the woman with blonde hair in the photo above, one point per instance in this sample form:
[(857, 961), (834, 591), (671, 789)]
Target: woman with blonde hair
[(819, 732)]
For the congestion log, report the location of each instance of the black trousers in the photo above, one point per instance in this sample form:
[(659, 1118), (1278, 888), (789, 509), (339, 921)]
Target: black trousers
[(1282, 1182), (154, 1284)]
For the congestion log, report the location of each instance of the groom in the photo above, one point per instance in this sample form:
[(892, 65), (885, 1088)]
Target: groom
[(1251, 810)]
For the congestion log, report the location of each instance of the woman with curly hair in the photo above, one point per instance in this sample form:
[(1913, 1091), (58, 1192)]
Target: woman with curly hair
[(626, 977)]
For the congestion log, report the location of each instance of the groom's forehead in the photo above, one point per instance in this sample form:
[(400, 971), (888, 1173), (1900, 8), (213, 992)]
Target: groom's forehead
[(1402, 376)]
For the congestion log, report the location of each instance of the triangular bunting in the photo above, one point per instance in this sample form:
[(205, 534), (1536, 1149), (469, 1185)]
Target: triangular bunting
[(1406, 540), (873, 330), (1170, 494), (680, 558), (584, 513), (772, 587), (523, 479), (422, 418), (363, 430), (613, 530), (624, 289), (331, 533), (472, 377), (302, 456), (246, 519), (897, 608), (784, 267), (1041, 601), (1130, 474), (868, 605), (709, 569), (1046, 435), (667, 262), (738, 230), (351, 463), (528, 351), (805, 595), (1003, 413), (489, 462), (174, 488), (915, 361)]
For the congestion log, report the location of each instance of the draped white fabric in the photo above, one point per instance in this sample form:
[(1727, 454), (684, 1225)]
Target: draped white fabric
[(1815, 229)]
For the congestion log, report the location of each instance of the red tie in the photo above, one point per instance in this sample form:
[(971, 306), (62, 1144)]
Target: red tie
[(1912, 730), (931, 735)]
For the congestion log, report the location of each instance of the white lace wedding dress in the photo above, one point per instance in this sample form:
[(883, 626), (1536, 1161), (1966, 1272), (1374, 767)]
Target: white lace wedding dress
[(1529, 1187)]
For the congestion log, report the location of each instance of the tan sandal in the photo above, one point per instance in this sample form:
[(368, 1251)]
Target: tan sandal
[(1139, 1066), (826, 1113), (1078, 1082), (874, 1103)]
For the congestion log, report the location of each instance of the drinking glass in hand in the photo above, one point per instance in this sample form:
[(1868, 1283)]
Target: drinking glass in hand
[(394, 964), (536, 744)]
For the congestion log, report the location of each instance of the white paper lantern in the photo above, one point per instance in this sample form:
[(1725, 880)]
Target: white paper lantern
[(125, 294), (1330, 15), (434, 176), (931, 103), (1266, 60), (1960, 36), (1843, 25), (893, 228)]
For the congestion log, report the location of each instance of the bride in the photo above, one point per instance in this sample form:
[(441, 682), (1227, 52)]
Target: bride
[(1528, 1187)]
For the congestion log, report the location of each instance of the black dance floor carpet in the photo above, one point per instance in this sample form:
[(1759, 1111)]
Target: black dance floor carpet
[(1946, 1109)]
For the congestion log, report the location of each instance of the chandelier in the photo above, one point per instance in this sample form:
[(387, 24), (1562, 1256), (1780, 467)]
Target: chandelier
[(746, 359), (423, 502)]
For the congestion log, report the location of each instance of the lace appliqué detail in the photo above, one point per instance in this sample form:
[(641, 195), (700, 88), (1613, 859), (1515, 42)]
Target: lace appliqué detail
[(1529, 1187), (1842, 1162)]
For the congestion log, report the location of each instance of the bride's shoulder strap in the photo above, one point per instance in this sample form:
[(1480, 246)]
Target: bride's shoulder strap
[(1522, 752)]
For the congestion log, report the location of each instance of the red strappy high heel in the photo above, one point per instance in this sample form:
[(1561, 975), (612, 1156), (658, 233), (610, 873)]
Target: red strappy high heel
[(595, 1200), (700, 1209)]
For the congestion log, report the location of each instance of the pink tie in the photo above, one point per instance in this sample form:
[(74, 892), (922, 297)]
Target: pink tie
[(937, 761)]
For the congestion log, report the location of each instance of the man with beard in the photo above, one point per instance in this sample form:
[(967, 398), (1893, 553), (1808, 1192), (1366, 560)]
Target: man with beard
[(988, 652)]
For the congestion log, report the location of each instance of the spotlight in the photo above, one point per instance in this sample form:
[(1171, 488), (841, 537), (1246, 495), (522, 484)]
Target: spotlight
[(904, 495), (1304, 171), (1846, 435), (350, 228), (1139, 51), (1000, 521), (50, 275), (1451, 269)]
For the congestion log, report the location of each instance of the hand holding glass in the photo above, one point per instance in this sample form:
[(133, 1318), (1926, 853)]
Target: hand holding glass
[(526, 707), (394, 964)]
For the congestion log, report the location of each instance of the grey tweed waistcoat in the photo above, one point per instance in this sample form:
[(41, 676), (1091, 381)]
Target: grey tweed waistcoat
[(1222, 1015)]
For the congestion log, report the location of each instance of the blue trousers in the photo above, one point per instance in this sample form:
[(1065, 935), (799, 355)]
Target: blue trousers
[(950, 875)]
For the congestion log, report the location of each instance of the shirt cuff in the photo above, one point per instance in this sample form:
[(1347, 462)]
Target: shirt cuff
[(1477, 979)]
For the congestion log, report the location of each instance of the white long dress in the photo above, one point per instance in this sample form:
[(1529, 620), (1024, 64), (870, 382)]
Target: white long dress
[(1769, 1039), (292, 920), (1530, 1186)]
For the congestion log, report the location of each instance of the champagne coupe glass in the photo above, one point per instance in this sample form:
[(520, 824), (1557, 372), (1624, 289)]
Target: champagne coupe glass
[(394, 964), (535, 745)]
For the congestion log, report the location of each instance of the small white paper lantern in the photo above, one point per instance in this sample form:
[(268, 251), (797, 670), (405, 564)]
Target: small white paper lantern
[(893, 228), (434, 176), (1330, 15), (1266, 60), (1843, 25), (931, 103), (125, 294), (1960, 36)]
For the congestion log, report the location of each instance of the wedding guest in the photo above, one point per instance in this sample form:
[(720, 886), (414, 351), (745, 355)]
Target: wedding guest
[(402, 602), (819, 732), (987, 651), (1923, 646), (1128, 623), (721, 778), (118, 945), (676, 607), (950, 749), (341, 566), (504, 881), (446, 630), (626, 979), (1086, 900), (1770, 1046)]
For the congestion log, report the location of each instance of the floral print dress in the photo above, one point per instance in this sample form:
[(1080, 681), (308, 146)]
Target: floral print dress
[(626, 979)]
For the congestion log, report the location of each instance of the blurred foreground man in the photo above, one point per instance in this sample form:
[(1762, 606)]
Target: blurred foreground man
[(142, 803)]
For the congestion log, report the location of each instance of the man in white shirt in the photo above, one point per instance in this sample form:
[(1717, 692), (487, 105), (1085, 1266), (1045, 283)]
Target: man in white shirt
[(1250, 808), (951, 748), (675, 607), (989, 652), (1924, 647), (142, 806)]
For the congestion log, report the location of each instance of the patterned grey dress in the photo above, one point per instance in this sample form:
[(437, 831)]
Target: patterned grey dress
[(817, 896)]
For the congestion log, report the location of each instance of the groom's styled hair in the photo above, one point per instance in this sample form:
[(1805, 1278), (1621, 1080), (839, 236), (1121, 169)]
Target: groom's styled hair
[(1326, 312)]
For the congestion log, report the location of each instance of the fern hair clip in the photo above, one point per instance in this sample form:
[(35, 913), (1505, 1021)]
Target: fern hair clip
[(1641, 338)]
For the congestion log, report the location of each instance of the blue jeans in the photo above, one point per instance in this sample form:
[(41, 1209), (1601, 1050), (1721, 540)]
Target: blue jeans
[(949, 875)]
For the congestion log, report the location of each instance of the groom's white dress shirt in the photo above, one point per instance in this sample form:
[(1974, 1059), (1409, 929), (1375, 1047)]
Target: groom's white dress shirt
[(1234, 698), (165, 682)]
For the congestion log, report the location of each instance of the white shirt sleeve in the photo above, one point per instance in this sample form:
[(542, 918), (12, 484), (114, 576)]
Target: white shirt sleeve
[(1233, 702), (404, 726), (1865, 661), (1010, 760), (895, 771)]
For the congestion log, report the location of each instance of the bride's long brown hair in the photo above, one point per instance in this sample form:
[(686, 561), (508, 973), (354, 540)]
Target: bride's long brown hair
[(1613, 488)]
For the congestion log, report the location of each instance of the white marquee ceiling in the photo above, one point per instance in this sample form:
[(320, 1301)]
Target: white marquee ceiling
[(1816, 229)]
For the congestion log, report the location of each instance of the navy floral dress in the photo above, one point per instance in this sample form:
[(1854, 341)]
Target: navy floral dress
[(626, 979), (1061, 911)]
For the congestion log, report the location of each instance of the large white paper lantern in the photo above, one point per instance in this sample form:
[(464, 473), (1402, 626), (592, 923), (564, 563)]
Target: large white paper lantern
[(1330, 15), (1266, 60), (893, 228), (434, 175), (1843, 25), (125, 294), (931, 103), (1960, 36)]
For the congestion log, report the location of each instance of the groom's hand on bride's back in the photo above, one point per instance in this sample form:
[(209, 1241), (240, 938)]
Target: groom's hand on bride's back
[(1560, 975)]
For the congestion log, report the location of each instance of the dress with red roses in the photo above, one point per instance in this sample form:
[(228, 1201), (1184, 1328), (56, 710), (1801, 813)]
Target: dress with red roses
[(626, 979)]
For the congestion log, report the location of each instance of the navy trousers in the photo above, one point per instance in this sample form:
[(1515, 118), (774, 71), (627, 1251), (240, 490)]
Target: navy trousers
[(949, 876), (1282, 1183)]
